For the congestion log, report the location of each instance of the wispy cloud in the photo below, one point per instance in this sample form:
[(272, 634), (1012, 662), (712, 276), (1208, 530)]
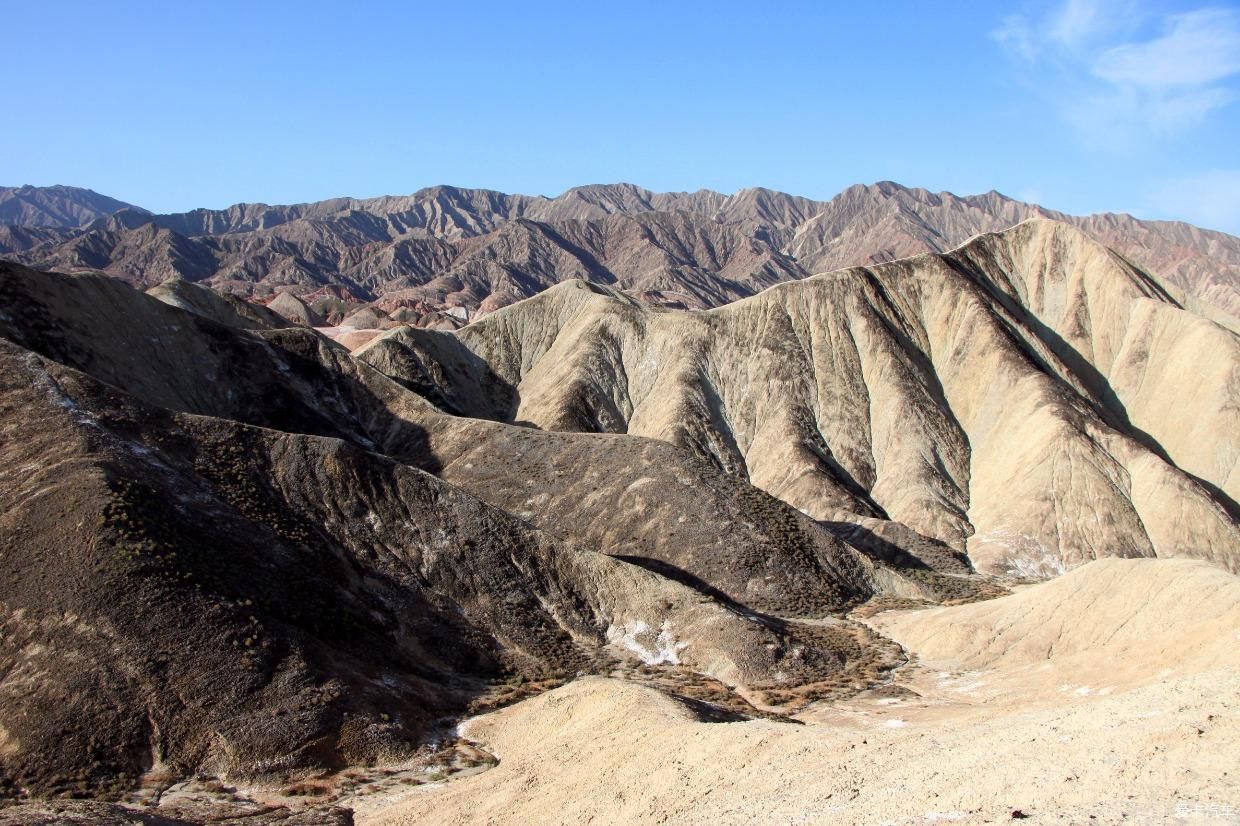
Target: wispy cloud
[(1119, 72), (1077, 22), (1016, 35), (1209, 199), (1195, 49)]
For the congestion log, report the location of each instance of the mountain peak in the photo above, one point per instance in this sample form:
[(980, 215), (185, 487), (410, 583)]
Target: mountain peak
[(55, 206)]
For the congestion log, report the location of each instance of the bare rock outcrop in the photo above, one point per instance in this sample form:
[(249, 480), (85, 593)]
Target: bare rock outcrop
[(55, 206)]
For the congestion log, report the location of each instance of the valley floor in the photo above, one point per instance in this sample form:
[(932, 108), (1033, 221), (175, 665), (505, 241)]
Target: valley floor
[(1109, 695)]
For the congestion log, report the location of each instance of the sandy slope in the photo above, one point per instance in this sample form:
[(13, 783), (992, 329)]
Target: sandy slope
[(1109, 693)]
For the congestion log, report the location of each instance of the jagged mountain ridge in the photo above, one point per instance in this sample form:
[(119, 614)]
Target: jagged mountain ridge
[(477, 250), (1030, 398), (56, 206)]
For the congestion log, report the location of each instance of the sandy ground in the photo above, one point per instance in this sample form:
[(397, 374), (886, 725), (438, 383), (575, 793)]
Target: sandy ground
[(1108, 695)]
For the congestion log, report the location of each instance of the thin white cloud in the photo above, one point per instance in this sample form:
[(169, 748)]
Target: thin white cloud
[(1071, 26), (1076, 22), (1016, 35), (1119, 73), (1209, 199), (1117, 117), (1195, 49)]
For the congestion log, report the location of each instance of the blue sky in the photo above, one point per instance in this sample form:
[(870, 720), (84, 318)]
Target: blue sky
[(1082, 105)]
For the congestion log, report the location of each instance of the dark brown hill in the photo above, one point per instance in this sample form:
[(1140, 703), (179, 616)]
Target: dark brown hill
[(224, 553)]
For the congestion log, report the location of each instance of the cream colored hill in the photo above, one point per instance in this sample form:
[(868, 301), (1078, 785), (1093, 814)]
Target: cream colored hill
[(1098, 744), (1030, 397), (220, 307), (292, 308), (1113, 622)]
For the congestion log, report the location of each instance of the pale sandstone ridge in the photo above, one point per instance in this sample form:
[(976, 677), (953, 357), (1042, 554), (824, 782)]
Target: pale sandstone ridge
[(293, 309), (1118, 621), (1030, 398), (1044, 703), (222, 308), (462, 251)]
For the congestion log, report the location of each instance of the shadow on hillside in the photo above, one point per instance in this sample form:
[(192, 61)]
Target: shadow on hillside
[(441, 369), (875, 546), (1101, 395)]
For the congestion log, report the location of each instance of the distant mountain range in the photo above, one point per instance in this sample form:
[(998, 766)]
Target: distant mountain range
[(56, 206), (445, 254)]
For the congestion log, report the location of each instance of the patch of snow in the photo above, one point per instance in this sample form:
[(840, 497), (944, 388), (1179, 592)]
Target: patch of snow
[(1025, 556), (56, 394), (897, 723), (1046, 566), (665, 650), (1084, 690)]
